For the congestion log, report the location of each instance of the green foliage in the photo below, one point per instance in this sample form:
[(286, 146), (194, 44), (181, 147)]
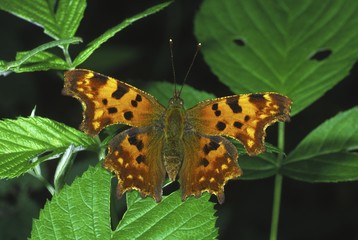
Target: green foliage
[(252, 46), (255, 46), (170, 219), (82, 210), (26, 142), (60, 25), (59, 22), (266, 47), (37, 59), (327, 153), (79, 211)]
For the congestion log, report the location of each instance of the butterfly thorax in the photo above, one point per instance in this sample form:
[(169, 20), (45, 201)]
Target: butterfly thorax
[(173, 149)]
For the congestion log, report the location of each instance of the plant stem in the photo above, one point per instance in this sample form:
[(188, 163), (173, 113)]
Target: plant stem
[(67, 55), (278, 184), (36, 172)]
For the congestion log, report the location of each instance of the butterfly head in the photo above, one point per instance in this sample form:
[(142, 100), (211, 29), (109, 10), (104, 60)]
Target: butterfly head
[(176, 100)]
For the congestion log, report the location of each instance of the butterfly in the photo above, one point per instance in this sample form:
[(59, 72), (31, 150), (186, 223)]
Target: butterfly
[(190, 145)]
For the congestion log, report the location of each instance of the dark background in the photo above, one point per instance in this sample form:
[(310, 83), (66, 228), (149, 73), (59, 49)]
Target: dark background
[(308, 211)]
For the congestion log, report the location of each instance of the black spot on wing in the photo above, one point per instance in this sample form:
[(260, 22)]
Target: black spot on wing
[(128, 115), (234, 105), (140, 159), (258, 100), (105, 101), (120, 92), (237, 124), (112, 110), (99, 77), (204, 162), (134, 141), (256, 97), (220, 126), (138, 98), (134, 103), (210, 146), (215, 106)]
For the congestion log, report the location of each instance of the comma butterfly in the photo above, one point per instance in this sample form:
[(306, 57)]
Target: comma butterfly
[(188, 144)]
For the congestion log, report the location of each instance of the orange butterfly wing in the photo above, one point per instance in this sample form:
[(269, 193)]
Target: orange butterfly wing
[(209, 162), (107, 101), (242, 117), (135, 156)]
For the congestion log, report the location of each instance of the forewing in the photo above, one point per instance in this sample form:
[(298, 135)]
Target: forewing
[(107, 101), (243, 117), (209, 162), (135, 157)]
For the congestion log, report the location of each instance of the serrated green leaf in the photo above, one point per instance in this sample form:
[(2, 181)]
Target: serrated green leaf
[(37, 59), (26, 142), (324, 154), (96, 43), (68, 16), (41, 61), (58, 21), (170, 219), (78, 211), (255, 46)]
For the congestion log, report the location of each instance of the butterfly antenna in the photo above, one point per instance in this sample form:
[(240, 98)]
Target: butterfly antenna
[(173, 68), (191, 65)]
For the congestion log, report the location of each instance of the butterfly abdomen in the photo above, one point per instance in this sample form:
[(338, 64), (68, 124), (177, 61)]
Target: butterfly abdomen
[(173, 149)]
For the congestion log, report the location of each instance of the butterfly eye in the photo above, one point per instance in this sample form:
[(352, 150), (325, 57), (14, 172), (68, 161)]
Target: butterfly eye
[(176, 101)]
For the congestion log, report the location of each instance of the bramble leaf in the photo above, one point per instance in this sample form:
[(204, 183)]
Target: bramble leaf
[(78, 211), (298, 48), (26, 142)]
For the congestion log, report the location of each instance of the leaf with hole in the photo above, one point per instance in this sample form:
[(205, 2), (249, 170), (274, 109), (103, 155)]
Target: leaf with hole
[(298, 48)]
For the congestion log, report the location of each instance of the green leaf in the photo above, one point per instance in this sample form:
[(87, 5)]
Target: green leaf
[(258, 167), (59, 22), (325, 154), (78, 211), (96, 43), (26, 142), (37, 59), (190, 95), (68, 16), (170, 219), (255, 46)]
